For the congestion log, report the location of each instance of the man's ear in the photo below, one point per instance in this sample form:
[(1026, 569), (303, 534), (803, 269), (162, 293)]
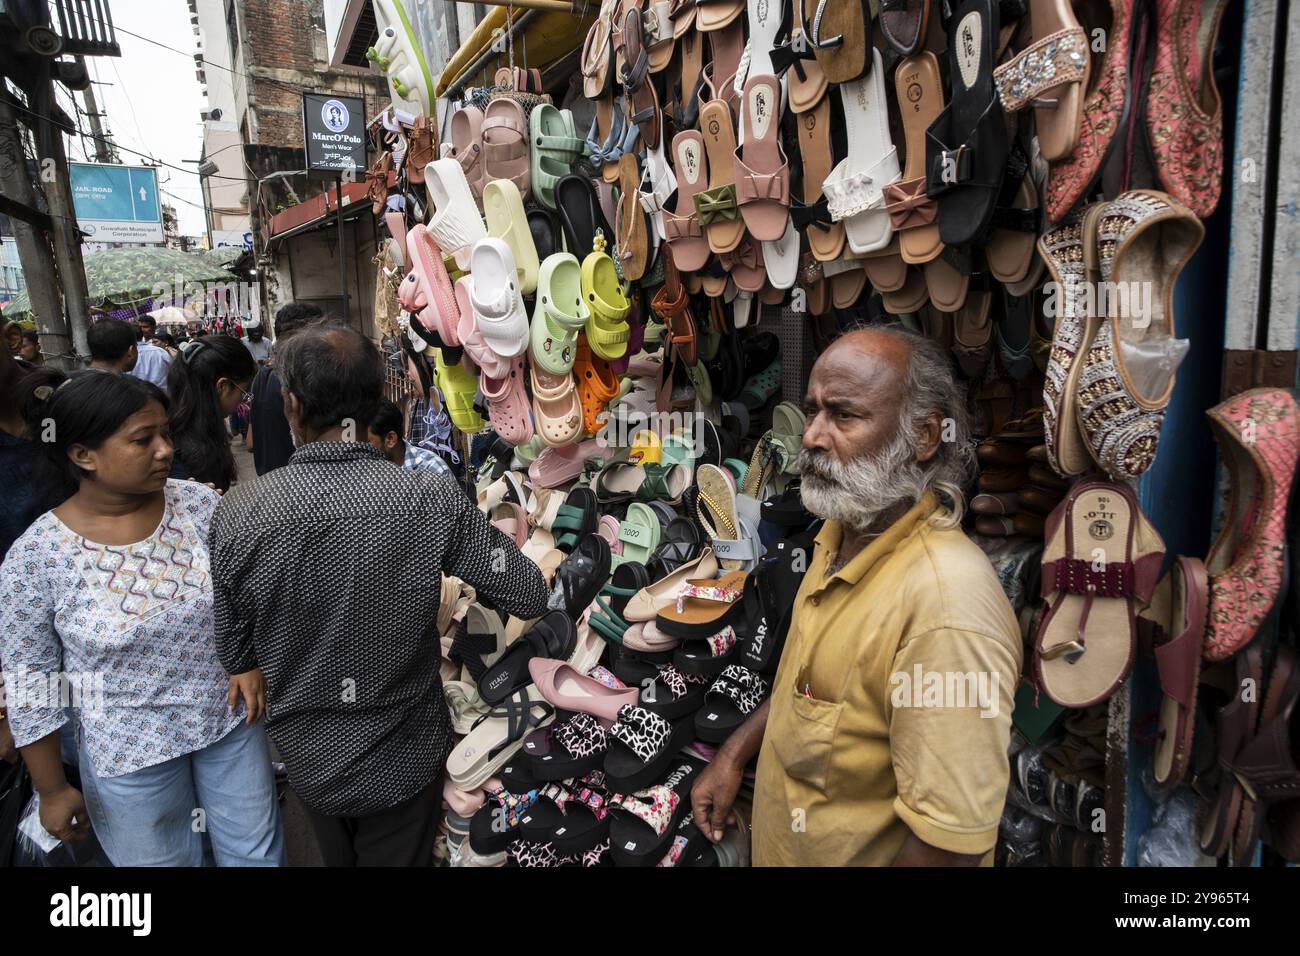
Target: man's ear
[(82, 457), (391, 440), (928, 440), (292, 408)]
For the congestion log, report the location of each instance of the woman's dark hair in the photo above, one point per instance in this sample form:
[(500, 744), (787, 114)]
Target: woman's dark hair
[(85, 410), (31, 393), (197, 425)]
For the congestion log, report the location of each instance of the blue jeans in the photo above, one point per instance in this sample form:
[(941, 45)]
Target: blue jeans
[(152, 817)]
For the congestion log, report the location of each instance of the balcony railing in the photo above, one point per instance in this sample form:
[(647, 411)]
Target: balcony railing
[(86, 27)]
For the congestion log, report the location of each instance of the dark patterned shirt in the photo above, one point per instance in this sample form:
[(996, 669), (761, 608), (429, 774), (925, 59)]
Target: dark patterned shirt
[(326, 576)]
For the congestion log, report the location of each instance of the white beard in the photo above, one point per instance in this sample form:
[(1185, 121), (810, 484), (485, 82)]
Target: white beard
[(858, 493)]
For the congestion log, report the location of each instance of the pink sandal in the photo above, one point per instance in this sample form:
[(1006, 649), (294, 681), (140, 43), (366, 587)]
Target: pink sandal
[(682, 230), (556, 407), (480, 353), (467, 147), (505, 145), (426, 291), (762, 173)]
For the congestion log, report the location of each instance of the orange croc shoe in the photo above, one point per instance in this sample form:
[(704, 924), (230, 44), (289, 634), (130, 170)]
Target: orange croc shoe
[(596, 385)]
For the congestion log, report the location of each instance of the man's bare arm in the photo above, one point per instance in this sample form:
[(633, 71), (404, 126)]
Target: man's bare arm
[(916, 852)]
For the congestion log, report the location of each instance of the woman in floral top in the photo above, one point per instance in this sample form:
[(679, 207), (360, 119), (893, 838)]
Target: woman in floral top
[(109, 595)]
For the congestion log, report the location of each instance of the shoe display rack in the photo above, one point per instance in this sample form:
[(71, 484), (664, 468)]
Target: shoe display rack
[(670, 209)]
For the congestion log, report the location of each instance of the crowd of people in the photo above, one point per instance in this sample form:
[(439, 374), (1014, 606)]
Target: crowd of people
[(220, 608)]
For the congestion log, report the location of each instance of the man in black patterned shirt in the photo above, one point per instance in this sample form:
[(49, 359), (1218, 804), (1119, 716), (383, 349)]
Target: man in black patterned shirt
[(326, 581)]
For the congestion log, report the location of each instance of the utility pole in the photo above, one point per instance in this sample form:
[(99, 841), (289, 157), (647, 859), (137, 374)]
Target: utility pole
[(104, 152), (33, 248), (65, 235)]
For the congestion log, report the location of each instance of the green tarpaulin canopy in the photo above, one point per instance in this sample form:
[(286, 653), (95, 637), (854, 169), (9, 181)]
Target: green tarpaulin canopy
[(120, 278)]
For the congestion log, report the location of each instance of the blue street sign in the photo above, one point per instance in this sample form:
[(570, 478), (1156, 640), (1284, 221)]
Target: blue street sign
[(116, 203)]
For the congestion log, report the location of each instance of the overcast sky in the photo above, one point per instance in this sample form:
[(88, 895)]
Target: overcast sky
[(154, 100)]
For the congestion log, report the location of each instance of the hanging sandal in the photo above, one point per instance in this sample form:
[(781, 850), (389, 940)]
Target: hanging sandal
[(458, 387), (1050, 75), (1102, 559), (1142, 241), (682, 230), (1176, 619), (554, 149), (912, 211), (855, 188), (966, 146), (716, 206), (559, 316), (503, 208), (840, 34), (762, 174)]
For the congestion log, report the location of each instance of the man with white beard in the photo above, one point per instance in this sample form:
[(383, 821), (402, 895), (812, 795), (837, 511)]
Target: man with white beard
[(858, 766)]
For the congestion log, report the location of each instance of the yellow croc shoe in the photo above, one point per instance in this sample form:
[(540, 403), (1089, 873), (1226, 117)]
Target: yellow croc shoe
[(607, 328)]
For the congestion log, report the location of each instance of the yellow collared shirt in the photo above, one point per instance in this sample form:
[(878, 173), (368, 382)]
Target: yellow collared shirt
[(891, 708)]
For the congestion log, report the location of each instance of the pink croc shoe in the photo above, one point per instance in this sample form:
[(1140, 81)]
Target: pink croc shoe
[(1259, 437), (426, 292), (508, 403), (476, 347)]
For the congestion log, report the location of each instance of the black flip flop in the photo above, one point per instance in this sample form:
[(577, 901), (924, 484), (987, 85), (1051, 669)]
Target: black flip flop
[(966, 146), (580, 214), (554, 635), (697, 657)]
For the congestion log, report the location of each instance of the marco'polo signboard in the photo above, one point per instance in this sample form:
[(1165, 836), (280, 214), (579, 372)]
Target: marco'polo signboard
[(334, 130)]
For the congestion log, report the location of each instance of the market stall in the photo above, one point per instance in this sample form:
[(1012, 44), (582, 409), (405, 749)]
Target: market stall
[(609, 327)]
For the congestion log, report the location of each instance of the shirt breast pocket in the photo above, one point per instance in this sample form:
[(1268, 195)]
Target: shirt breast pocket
[(803, 739)]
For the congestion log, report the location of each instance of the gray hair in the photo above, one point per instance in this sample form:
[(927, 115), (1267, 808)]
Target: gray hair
[(335, 372), (929, 388)]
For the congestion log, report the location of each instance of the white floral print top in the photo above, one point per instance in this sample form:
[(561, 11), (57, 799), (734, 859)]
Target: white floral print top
[(130, 625)]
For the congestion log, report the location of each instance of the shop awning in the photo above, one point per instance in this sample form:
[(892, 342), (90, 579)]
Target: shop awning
[(316, 212), (540, 39)]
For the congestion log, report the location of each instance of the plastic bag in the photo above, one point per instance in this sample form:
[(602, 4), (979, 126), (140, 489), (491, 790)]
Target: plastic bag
[(1151, 364), (36, 846), (1171, 839)]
